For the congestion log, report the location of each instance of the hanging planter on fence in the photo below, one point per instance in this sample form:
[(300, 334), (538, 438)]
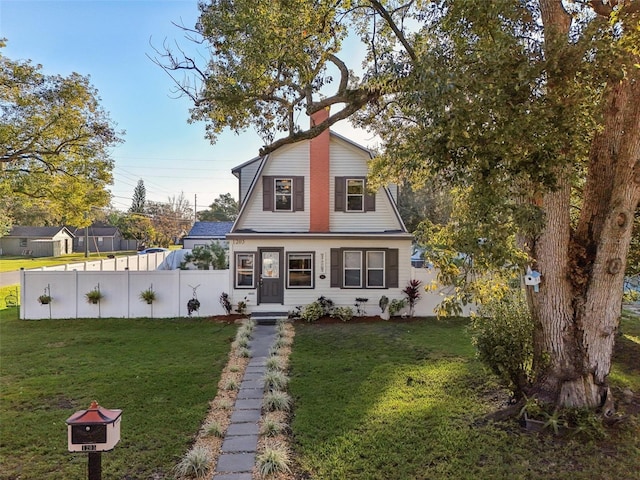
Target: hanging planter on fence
[(94, 296), (148, 295)]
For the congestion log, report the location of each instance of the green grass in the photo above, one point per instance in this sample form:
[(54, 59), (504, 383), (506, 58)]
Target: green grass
[(409, 401), (10, 263), (161, 373)]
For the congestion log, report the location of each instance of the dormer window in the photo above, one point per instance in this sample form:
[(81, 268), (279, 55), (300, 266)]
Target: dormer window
[(283, 194), (355, 195), (351, 195)]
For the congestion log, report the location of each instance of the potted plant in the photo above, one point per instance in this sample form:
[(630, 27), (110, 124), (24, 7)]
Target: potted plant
[(412, 292), (242, 306), (193, 305), (45, 299), (148, 295), (396, 305), (384, 303), (94, 296)]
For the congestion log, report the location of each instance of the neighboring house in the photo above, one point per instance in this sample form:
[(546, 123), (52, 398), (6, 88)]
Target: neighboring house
[(308, 227), (37, 241), (101, 238), (205, 233)]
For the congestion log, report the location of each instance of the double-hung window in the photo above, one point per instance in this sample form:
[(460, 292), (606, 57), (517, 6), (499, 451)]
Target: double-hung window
[(284, 194), (300, 270), (355, 195), (245, 270), (364, 267), (351, 195), (352, 269), (375, 269)]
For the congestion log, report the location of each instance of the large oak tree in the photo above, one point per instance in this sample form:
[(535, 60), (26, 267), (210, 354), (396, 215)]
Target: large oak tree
[(54, 143), (528, 108)]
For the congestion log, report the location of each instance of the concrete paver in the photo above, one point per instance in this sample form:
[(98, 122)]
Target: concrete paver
[(240, 443)]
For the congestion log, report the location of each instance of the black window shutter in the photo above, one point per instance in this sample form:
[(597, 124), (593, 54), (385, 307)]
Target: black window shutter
[(391, 268), (340, 194), (267, 194), (298, 194), (336, 268), (369, 201)]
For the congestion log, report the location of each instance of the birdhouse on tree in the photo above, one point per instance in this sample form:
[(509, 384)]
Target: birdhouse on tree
[(532, 278)]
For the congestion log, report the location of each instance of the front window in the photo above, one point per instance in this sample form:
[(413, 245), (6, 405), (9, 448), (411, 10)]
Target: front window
[(283, 192), (355, 195), (100, 240), (245, 270), (300, 270), (375, 269), (352, 269)]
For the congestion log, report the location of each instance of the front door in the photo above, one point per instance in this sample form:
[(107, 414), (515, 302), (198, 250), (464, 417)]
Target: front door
[(271, 279)]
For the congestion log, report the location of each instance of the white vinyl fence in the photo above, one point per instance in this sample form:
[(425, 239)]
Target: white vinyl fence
[(174, 288), (147, 261), (121, 293)]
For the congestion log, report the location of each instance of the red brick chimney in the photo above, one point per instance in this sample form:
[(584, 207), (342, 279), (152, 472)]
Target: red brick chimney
[(319, 175)]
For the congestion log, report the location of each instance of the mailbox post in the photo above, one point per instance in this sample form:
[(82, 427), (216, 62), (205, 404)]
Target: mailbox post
[(94, 431)]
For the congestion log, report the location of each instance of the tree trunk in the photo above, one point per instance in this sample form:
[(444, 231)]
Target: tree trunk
[(577, 309)]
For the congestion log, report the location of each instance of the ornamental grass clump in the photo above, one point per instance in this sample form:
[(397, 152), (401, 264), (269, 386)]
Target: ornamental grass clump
[(277, 401), (213, 429), (231, 385), (275, 380), (273, 460), (274, 363), (194, 464), (244, 352), (271, 427)]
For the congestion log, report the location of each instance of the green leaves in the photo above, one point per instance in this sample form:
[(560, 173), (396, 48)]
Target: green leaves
[(54, 142)]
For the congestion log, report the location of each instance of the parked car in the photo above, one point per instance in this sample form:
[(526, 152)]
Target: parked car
[(153, 250)]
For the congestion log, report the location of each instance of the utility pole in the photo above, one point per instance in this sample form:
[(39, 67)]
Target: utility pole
[(195, 207)]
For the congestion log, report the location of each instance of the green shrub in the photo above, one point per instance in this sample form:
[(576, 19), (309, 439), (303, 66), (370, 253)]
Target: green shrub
[(316, 310), (396, 305), (312, 312), (502, 333), (343, 313)]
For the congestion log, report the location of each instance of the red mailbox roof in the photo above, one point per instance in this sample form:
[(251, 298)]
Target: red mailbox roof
[(95, 414)]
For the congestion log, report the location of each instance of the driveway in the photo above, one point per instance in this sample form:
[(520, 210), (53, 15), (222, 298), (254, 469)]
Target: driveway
[(9, 278)]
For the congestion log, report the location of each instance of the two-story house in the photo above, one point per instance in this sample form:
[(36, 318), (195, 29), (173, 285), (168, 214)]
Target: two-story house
[(309, 227)]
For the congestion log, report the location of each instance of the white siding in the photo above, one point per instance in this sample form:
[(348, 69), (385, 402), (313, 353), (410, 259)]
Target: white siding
[(347, 160), (292, 160), (322, 249)]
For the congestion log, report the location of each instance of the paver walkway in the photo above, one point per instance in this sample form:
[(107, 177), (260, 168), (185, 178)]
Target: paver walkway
[(240, 443)]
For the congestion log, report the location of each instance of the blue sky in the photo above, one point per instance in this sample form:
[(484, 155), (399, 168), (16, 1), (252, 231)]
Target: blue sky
[(109, 40)]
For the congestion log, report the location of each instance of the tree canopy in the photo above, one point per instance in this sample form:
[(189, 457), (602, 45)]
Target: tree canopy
[(526, 109), (54, 142), (223, 209)]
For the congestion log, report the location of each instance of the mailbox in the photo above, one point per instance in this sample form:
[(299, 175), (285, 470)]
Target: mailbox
[(94, 430)]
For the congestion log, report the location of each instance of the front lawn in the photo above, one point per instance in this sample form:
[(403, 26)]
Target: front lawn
[(161, 373), (409, 401)]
